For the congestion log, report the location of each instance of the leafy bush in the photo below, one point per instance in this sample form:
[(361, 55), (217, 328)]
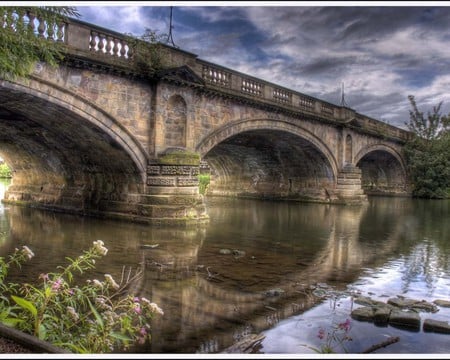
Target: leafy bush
[(203, 182), (98, 317), (5, 171), (428, 153)]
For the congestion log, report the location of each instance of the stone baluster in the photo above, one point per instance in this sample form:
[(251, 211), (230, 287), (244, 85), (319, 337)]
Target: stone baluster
[(41, 27), (123, 50), (51, 31), (108, 47), (130, 52), (31, 17), (101, 44), (60, 31), (93, 41), (116, 47)]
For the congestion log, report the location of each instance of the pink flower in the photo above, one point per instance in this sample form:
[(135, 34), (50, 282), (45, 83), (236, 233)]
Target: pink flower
[(57, 285), (321, 334), (345, 325), (137, 308)]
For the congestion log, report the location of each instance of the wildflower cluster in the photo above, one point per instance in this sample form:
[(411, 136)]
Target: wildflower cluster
[(97, 317), (334, 338)]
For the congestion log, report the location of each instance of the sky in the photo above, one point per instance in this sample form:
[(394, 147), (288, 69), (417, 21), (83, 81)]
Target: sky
[(373, 53)]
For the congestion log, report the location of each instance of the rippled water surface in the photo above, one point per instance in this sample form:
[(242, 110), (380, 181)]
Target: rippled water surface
[(283, 270)]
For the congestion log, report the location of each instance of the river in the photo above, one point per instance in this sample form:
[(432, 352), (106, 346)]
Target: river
[(283, 270)]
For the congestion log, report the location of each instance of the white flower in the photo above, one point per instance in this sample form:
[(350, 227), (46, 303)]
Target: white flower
[(152, 306), (72, 313), (97, 283), (26, 250), (99, 248), (111, 282)]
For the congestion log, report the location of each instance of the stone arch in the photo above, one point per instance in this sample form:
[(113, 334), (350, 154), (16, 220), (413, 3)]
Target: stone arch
[(268, 159), (383, 170), (42, 93), (175, 122), (68, 154), (236, 127)]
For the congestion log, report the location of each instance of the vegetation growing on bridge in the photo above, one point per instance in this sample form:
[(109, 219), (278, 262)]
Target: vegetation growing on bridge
[(148, 56), (21, 47), (203, 182), (428, 152), (5, 171)]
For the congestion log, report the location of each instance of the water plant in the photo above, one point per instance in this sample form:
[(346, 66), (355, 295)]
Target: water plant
[(334, 338), (96, 317)]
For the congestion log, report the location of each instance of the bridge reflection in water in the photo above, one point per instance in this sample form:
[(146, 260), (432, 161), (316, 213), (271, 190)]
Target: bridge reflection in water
[(280, 251), (212, 298)]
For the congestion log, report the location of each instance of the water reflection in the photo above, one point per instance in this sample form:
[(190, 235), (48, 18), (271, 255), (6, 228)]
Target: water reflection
[(253, 266)]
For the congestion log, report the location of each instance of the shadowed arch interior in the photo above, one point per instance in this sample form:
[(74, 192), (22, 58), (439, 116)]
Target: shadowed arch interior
[(269, 164), (59, 158), (382, 173)]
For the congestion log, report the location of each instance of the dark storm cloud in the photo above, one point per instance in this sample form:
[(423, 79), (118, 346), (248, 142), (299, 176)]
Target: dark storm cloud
[(381, 53)]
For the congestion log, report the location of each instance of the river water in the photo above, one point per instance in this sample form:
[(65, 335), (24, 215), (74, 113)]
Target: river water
[(283, 270)]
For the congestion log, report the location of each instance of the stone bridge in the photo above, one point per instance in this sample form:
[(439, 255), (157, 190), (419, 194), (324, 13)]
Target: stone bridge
[(94, 136)]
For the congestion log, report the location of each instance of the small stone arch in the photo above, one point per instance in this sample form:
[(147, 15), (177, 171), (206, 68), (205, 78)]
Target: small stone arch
[(383, 170), (175, 122)]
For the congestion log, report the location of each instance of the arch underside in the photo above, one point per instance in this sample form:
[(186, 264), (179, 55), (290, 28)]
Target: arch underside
[(61, 160), (382, 174), (268, 163)]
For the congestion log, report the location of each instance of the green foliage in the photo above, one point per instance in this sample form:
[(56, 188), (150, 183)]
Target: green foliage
[(98, 317), (5, 171), (179, 157), (147, 56), (203, 182), (20, 46), (428, 153)]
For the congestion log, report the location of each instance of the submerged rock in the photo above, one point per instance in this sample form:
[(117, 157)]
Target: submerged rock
[(405, 319), (419, 305), (381, 315), (442, 303), (437, 326), (364, 313)]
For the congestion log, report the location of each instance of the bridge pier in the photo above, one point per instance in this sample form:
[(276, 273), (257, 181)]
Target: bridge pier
[(348, 186), (172, 194)]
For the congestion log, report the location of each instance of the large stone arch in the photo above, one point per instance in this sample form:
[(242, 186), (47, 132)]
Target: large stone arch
[(269, 159), (67, 153), (71, 102), (383, 170)]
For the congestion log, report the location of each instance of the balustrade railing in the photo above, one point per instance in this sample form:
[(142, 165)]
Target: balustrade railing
[(108, 44), (251, 87), (216, 76), (21, 20), (282, 96)]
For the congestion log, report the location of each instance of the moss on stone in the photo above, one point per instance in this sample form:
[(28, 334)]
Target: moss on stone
[(180, 158)]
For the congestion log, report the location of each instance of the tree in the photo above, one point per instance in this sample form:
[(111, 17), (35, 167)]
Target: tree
[(428, 152), (27, 36)]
